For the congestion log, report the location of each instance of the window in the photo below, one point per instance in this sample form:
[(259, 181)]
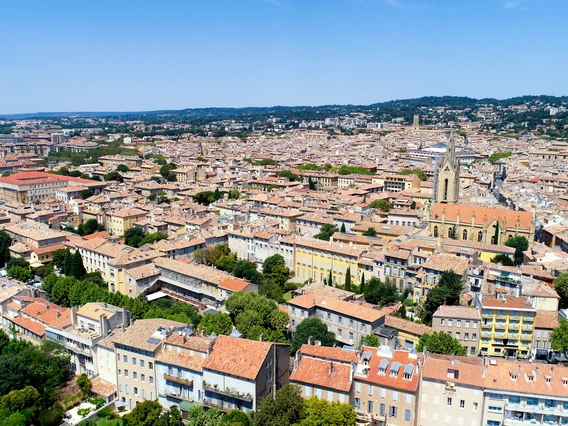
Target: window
[(133, 361), (383, 393), (357, 386), (393, 411), (151, 378), (125, 373), (125, 358), (144, 393), (514, 399), (407, 415), (371, 390), (458, 323), (442, 322), (495, 409), (458, 335), (466, 337), (350, 336), (339, 332), (382, 409), (462, 403), (370, 407), (450, 323), (357, 403), (533, 402), (135, 375), (395, 395), (126, 389), (151, 365), (467, 324), (550, 403), (143, 377), (119, 372), (449, 402), (475, 406)]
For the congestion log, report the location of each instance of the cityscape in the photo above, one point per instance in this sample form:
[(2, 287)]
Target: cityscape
[(373, 260)]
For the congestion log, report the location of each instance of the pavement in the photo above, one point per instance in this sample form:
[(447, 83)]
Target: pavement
[(75, 418)]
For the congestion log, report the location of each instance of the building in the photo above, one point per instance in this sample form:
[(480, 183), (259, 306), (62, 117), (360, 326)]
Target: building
[(348, 321), (507, 326), (119, 221), (35, 241), (386, 386), (408, 333), (447, 185), (451, 390), (482, 224), (240, 373), (518, 393), (462, 323)]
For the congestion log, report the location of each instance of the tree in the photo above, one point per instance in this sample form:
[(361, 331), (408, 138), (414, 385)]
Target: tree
[(311, 184), (382, 205), (343, 230), (561, 287), (122, 168), (503, 259), (413, 205), (77, 268), (166, 169), (19, 273), (67, 262), (86, 193), (274, 268), (235, 418), (205, 197), (114, 175), (247, 270), (198, 416), (347, 285), (84, 384), (18, 261), (311, 327), (5, 243), (233, 194), (326, 231), (58, 257), (330, 278), (369, 340), (146, 413), (441, 343), (379, 293), (91, 226), (287, 408), (362, 284), (320, 412), (559, 336), (448, 290), (218, 323), (370, 232), (453, 233), (520, 244), (133, 237)]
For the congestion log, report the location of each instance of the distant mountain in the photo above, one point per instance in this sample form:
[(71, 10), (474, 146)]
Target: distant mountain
[(299, 112)]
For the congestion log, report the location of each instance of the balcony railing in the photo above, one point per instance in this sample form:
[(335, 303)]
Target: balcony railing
[(176, 396), (233, 393), (178, 380)]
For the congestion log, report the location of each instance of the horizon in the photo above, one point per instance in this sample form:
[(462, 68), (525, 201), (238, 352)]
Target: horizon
[(111, 56)]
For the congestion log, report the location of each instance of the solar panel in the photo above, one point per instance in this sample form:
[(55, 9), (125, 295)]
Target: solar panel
[(153, 341)]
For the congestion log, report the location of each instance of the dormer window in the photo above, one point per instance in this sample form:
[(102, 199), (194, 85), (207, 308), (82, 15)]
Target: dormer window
[(530, 378), (548, 379), (513, 376), (565, 381)]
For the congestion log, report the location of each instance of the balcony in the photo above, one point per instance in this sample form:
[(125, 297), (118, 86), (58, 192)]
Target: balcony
[(178, 380), (232, 393), (176, 396), (514, 326)]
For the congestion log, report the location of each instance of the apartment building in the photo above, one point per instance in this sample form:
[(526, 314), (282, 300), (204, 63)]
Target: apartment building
[(507, 326), (179, 368), (35, 241), (398, 183), (434, 267), (348, 321), (240, 373), (408, 333), (522, 393), (462, 323), (396, 261), (113, 161), (136, 350), (324, 372), (315, 259), (452, 391), (386, 386), (121, 220)]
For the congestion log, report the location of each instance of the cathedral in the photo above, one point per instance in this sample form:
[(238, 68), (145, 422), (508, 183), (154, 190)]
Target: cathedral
[(447, 185)]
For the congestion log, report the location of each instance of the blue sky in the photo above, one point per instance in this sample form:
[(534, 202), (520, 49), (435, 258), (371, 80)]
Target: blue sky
[(119, 55)]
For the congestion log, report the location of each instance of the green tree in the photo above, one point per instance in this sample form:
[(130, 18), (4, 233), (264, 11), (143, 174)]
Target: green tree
[(86, 193), (218, 323), (293, 177), (91, 226), (114, 175), (343, 230), (413, 205), (362, 284), (235, 418), (561, 287), (274, 268), (5, 243), (122, 168), (520, 244), (347, 285), (311, 327), (247, 270), (379, 293), (145, 413), (84, 384), (19, 273), (559, 336), (311, 184), (205, 197), (58, 257), (320, 412), (330, 278), (166, 169), (77, 268), (133, 237), (441, 343), (18, 261), (369, 340), (420, 173), (326, 231), (382, 205), (370, 232), (503, 259), (198, 416), (233, 194), (285, 409), (67, 262), (448, 290)]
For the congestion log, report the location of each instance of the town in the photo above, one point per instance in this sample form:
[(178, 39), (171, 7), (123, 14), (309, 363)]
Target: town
[(403, 263)]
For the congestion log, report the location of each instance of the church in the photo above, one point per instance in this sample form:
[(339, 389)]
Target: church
[(488, 225)]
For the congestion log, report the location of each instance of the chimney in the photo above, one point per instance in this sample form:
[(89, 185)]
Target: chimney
[(58, 315), (261, 337), (310, 340), (330, 368)]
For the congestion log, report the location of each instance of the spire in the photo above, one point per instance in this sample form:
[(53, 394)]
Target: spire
[(451, 150)]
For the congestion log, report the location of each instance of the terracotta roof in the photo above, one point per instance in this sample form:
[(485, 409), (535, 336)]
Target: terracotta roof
[(184, 360), (327, 353), (407, 326), (490, 301), (462, 312), (546, 320), (309, 300), (102, 387), (470, 369), (446, 262), (386, 380), (467, 214), (138, 335), (323, 374), (234, 284), (237, 357)]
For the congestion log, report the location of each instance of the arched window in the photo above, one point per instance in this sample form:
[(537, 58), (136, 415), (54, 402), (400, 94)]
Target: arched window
[(446, 189), (480, 236), (510, 236), (464, 234), (436, 234), (450, 233)]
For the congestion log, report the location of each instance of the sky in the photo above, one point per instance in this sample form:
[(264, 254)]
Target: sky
[(139, 55)]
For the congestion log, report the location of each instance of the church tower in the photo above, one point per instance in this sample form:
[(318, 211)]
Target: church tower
[(447, 185)]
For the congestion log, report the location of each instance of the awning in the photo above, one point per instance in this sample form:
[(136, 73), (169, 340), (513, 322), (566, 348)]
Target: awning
[(156, 295), (187, 405)]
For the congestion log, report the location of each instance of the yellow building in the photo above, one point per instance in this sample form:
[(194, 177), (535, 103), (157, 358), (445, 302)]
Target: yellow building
[(507, 325), (121, 220), (408, 332), (482, 224), (316, 258), (397, 183)]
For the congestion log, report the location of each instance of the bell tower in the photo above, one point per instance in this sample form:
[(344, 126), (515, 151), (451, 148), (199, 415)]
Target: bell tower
[(447, 185)]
